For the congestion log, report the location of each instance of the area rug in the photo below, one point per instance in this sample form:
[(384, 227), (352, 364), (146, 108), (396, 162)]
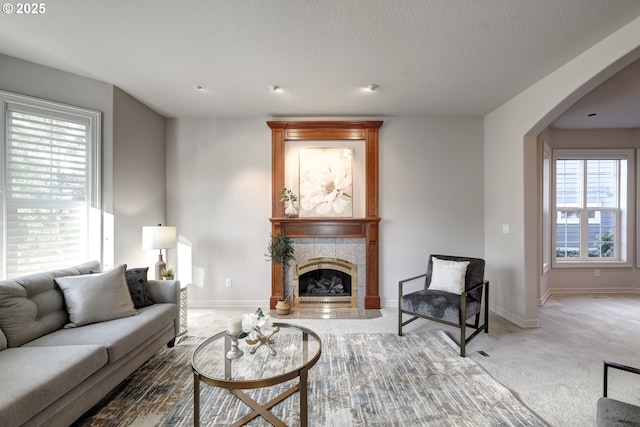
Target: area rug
[(360, 380)]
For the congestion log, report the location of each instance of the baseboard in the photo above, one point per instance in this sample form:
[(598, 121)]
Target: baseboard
[(516, 320), (543, 299), (594, 291), (254, 304)]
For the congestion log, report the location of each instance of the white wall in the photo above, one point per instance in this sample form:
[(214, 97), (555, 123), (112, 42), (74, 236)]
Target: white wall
[(139, 182), (511, 176), (219, 195)]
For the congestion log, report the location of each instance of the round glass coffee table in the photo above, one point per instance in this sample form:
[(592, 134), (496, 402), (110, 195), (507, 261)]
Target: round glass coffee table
[(296, 349)]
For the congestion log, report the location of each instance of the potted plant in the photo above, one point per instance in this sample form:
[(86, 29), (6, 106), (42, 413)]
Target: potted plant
[(280, 251), (289, 198), (167, 273)]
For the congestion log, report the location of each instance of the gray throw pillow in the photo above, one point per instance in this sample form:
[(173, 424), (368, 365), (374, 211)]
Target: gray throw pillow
[(138, 287), (93, 298)]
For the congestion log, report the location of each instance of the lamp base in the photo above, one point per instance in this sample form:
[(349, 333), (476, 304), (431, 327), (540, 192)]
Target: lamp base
[(160, 265)]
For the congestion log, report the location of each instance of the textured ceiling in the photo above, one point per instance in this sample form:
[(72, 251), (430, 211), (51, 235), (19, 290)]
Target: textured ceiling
[(430, 57)]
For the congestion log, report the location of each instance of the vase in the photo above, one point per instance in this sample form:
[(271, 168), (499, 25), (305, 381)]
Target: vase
[(290, 210), (283, 307)]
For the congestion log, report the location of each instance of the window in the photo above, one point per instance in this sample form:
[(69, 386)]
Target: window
[(49, 176), (591, 198)]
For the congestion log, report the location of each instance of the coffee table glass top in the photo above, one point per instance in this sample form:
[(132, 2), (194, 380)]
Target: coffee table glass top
[(295, 348)]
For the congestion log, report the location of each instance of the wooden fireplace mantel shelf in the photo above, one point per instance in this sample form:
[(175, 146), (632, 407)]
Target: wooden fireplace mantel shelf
[(324, 227)]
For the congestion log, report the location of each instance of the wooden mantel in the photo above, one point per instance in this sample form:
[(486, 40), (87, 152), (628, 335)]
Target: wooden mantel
[(365, 227)]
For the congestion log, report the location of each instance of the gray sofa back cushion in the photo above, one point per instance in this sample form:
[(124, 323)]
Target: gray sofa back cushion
[(33, 305)]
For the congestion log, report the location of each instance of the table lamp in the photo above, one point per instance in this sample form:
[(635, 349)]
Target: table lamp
[(159, 237)]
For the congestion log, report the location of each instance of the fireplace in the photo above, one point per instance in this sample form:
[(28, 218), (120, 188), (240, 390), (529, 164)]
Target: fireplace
[(325, 282), (363, 224)]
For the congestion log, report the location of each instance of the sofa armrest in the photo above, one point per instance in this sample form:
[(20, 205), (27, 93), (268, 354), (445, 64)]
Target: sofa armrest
[(165, 290)]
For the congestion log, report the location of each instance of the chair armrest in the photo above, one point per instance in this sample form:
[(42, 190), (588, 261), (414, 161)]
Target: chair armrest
[(479, 285), (165, 290), (608, 364), (402, 282)]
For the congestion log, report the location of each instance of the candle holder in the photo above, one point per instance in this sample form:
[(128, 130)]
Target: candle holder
[(235, 352)]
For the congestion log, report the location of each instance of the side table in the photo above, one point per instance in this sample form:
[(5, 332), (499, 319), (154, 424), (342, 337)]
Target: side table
[(183, 311)]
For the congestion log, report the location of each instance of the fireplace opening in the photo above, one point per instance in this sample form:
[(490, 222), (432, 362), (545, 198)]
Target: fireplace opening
[(325, 281)]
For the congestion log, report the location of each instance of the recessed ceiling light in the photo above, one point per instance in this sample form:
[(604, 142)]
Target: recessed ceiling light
[(200, 88), (371, 87), (274, 88), (592, 114)]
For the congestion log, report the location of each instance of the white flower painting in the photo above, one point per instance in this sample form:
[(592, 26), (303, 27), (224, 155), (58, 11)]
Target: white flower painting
[(326, 182)]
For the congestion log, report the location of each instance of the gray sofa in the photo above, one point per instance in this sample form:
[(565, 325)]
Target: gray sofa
[(57, 359)]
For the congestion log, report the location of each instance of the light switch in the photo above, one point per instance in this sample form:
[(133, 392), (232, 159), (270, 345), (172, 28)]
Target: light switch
[(505, 228)]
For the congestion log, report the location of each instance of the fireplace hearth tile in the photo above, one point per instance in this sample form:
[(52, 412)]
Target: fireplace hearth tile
[(328, 313)]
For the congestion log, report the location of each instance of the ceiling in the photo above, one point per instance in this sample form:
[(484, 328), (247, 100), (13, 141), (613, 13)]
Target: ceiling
[(429, 57)]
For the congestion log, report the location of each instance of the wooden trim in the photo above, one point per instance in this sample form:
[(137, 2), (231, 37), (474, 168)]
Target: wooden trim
[(366, 227)]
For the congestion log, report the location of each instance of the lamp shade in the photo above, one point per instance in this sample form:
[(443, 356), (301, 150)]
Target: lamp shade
[(158, 237)]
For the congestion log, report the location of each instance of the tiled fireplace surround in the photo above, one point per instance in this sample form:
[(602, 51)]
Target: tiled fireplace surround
[(348, 249)]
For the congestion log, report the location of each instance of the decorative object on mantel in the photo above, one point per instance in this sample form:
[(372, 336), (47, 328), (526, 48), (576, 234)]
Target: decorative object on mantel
[(289, 198), (167, 273), (281, 252), (258, 330)]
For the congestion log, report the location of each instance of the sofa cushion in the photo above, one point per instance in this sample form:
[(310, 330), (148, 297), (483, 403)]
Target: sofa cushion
[(33, 305), (119, 336), (3, 341), (138, 287), (39, 376), (92, 298)]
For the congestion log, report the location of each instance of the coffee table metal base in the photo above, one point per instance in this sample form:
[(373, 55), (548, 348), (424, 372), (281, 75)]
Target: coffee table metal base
[(259, 409), (307, 353)]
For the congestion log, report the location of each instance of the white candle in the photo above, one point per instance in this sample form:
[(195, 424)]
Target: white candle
[(235, 326)]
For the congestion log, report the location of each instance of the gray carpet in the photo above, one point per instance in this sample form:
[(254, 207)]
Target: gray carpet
[(360, 380)]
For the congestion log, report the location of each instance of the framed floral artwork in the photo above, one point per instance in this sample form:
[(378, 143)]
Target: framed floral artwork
[(326, 182)]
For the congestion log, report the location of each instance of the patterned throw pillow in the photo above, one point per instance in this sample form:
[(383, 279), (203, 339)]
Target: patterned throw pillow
[(138, 287)]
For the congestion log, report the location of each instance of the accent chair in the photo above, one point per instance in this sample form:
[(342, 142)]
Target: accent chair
[(613, 412), (453, 293)]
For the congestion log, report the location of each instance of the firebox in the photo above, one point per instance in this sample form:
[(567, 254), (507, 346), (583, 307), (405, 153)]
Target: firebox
[(322, 282)]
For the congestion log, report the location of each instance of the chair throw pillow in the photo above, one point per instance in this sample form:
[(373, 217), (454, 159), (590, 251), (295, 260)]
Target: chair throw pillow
[(139, 287), (448, 276), (93, 298)]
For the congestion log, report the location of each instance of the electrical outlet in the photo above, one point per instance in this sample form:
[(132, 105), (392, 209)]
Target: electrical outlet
[(227, 283), (597, 272)]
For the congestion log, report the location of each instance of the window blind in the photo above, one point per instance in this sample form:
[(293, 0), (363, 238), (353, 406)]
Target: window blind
[(47, 189)]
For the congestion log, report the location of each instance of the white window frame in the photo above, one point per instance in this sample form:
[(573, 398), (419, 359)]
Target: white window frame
[(94, 134), (626, 210)]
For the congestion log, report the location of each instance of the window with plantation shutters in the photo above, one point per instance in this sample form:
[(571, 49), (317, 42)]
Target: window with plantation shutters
[(50, 186)]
